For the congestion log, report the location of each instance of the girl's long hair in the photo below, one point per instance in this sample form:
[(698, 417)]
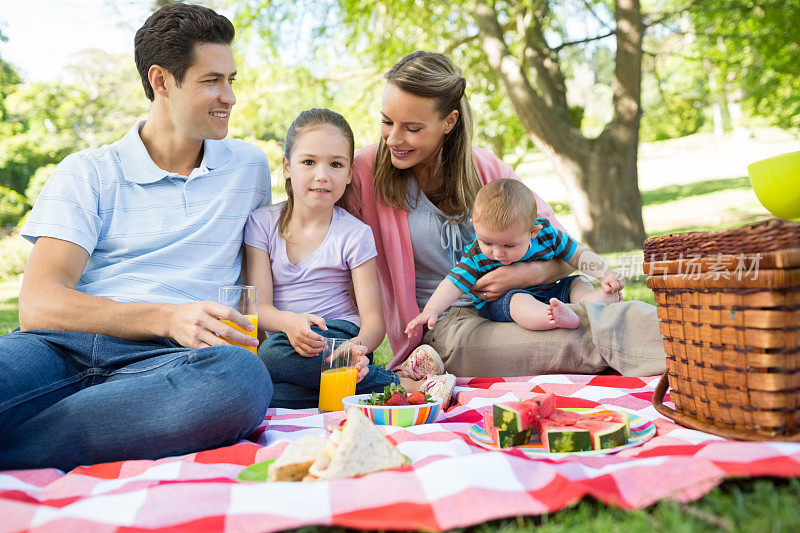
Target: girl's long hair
[(434, 76), (306, 121)]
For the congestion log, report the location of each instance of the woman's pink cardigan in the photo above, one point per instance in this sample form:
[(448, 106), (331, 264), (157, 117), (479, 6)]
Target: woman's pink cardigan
[(393, 241)]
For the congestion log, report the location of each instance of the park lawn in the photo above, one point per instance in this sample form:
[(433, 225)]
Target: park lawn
[(9, 302)]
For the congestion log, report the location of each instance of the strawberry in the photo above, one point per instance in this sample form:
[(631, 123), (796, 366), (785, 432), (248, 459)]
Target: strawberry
[(417, 398), (397, 398)]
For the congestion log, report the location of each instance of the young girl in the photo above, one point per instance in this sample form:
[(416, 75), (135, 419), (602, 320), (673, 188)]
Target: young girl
[(304, 255)]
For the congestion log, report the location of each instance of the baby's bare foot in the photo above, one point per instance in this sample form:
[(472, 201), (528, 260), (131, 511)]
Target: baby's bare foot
[(562, 316), (601, 297)]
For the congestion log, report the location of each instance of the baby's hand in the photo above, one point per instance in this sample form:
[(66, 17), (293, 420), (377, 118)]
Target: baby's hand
[(425, 316), (612, 282)]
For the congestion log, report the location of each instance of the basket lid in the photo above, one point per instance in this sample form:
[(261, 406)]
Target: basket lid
[(769, 236)]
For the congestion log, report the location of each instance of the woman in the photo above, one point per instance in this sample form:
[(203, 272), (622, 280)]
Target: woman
[(416, 187)]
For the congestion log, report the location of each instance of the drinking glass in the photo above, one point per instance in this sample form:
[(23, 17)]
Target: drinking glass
[(339, 375), (243, 298)]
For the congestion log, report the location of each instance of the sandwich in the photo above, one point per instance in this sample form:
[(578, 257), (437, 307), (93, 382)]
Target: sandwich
[(357, 448), (293, 463)]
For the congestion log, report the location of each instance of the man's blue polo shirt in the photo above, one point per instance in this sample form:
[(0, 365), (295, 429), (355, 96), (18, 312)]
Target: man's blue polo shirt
[(153, 236)]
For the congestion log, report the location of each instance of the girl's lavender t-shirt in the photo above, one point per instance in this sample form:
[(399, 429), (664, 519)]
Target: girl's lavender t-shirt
[(320, 283)]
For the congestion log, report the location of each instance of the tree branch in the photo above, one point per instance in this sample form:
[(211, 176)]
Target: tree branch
[(600, 21), (470, 38), (548, 125), (659, 17), (538, 55), (563, 45)]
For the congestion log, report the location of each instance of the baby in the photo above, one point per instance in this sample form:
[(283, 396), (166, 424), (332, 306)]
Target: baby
[(507, 231)]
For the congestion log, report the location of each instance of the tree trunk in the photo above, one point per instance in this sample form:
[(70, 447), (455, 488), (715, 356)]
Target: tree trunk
[(607, 208), (600, 174)]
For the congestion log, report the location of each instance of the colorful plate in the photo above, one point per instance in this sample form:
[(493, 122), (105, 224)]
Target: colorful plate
[(642, 430)]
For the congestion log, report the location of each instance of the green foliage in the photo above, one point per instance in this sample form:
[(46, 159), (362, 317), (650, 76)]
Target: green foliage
[(675, 91), (9, 80), (755, 45), (44, 122), (670, 117), (353, 44), (12, 206), (14, 253), (37, 181)]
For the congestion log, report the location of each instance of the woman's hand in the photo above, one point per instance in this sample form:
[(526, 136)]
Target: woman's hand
[(522, 275), (499, 281), (304, 341)]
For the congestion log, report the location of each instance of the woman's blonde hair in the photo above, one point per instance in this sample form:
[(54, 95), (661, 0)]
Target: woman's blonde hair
[(504, 203), (309, 120), (434, 76)]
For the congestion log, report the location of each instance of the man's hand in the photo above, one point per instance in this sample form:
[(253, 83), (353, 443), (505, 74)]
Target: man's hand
[(429, 316), (198, 325), (302, 338)]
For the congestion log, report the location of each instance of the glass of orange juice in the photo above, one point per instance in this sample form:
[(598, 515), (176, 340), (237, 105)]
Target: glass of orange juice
[(338, 378), (243, 298)]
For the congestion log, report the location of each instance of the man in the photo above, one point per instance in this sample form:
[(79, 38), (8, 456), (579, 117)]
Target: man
[(120, 354)]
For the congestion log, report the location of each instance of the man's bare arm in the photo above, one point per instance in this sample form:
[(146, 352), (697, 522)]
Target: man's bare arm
[(48, 300)]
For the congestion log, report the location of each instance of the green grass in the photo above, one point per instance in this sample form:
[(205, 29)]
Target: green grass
[(671, 193), (674, 192), (9, 303), (757, 505), (716, 227)]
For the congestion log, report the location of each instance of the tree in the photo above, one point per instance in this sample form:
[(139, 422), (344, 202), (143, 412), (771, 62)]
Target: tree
[(44, 122), (600, 173), (9, 80), (511, 52)]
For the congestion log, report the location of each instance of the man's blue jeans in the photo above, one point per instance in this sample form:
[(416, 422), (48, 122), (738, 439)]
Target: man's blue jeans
[(69, 399), (296, 378)]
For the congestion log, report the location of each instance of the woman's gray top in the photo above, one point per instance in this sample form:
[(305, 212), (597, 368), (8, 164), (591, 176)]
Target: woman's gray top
[(437, 241)]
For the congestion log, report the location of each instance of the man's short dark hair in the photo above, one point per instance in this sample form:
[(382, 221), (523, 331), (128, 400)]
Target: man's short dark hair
[(168, 36)]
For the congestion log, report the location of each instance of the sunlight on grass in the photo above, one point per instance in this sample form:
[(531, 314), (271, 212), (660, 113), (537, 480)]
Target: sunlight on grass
[(675, 192), (9, 301), (717, 227)]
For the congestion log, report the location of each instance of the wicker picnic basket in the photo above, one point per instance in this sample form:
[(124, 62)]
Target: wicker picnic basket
[(729, 313)]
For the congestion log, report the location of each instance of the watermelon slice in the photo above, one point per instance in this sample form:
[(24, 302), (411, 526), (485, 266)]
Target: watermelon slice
[(523, 414), (560, 437), (611, 417), (564, 417), (505, 437), (605, 429), (606, 434)]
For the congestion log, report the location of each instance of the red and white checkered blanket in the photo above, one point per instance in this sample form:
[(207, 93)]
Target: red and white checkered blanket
[(450, 483)]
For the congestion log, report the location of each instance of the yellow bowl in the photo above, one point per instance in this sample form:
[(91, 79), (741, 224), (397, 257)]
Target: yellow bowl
[(776, 182)]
